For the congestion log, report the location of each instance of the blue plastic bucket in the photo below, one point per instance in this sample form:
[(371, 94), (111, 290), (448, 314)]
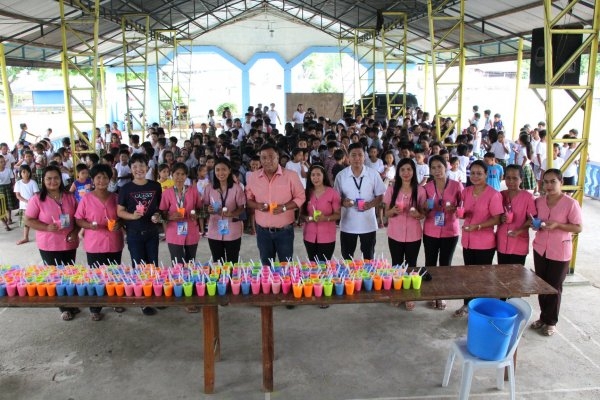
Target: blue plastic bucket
[(490, 328)]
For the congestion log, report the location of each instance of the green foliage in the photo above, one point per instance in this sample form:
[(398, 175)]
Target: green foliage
[(325, 86), (221, 108)]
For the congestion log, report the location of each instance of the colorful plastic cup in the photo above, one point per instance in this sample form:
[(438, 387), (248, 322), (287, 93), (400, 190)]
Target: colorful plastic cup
[(416, 281), (200, 289), (157, 288), (397, 281), (80, 287), (377, 282), (349, 286), (11, 289), (41, 289), (129, 289), (387, 282), (91, 289), (536, 222), (140, 208), (138, 291), (318, 289), (357, 284), (339, 288), (178, 290), (297, 289), (308, 289), (147, 289), (510, 216), (255, 285), (211, 288), (286, 286), (222, 288), (51, 289), (110, 224), (235, 286), (368, 284), (119, 289), (168, 289), (188, 289), (272, 207), (181, 211), (406, 279), (70, 288), (100, 289), (245, 287), (22, 289), (266, 286), (2, 289), (430, 203), (110, 289), (460, 212), (360, 204), (276, 286)]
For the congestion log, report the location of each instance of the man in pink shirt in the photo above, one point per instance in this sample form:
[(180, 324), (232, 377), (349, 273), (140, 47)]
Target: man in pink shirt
[(274, 193)]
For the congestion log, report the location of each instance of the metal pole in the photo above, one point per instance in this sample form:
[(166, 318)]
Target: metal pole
[(6, 92), (517, 89)]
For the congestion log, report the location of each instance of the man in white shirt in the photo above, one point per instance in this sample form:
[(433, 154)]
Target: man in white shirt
[(373, 161), (273, 116)]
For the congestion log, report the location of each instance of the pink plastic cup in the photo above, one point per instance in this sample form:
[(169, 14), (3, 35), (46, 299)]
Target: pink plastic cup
[(266, 286), (357, 284), (22, 289), (460, 212), (255, 286), (201, 288), (318, 289), (11, 289), (235, 286), (138, 290), (387, 282), (276, 286), (509, 217), (129, 289), (158, 289), (286, 286)]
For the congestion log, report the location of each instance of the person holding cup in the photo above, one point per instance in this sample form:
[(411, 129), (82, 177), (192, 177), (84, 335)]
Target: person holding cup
[(178, 205), (226, 201), (560, 218), (483, 208), (97, 215), (320, 212), (512, 234), (441, 227), (361, 189), (138, 208), (51, 212), (402, 208)]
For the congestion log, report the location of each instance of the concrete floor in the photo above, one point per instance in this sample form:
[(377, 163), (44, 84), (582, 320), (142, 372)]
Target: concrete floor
[(369, 351)]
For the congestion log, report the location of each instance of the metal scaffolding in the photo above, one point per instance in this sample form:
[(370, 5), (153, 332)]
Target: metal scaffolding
[(135, 30), (6, 92), (366, 76), (166, 54), (582, 94), (394, 64), (184, 87), (80, 73), (443, 59)]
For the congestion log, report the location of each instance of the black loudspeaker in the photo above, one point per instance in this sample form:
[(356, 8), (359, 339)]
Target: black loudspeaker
[(563, 47)]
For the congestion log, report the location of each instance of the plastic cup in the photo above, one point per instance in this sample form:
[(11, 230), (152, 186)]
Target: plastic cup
[(70, 288), (318, 289), (377, 282), (181, 211), (387, 282), (137, 290), (2, 289), (509, 217), (430, 203), (110, 288), (245, 287), (276, 286), (11, 289), (406, 281), (537, 223), (235, 286), (80, 289), (308, 289), (222, 288), (51, 289), (200, 289), (147, 289), (357, 284), (178, 290), (327, 288), (119, 288), (368, 284), (110, 224), (22, 289), (216, 205), (129, 289), (416, 281), (91, 289), (255, 285), (41, 289), (397, 282), (168, 289), (188, 289), (140, 208), (286, 286), (339, 288), (297, 289), (266, 286), (211, 288), (460, 212), (349, 285), (157, 288), (100, 288), (360, 204), (272, 207)]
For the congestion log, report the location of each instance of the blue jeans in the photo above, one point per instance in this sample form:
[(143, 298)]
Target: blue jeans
[(275, 242), (143, 247)]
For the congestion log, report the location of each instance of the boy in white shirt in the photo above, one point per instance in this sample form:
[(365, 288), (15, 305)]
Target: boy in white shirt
[(25, 189), (373, 161), (422, 167), (454, 173)]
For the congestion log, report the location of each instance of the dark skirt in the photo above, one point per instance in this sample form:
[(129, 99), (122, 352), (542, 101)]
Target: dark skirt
[(11, 199), (529, 182)]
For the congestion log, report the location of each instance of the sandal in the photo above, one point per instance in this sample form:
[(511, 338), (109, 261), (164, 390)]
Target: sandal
[(119, 310), (192, 309), (410, 305), (96, 316), (537, 324), (549, 330), (461, 312), (441, 305), (66, 316), (433, 304)]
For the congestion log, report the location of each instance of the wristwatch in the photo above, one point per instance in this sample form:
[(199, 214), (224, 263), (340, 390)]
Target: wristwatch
[(284, 209)]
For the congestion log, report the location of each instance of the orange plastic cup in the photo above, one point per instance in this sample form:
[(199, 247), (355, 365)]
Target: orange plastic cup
[(41, 289), (397, 282), (51, 289), (377, 282), (168, 289), (181, 211), (272, 206), (110, 224), (120, 289), (147, 287), (110, 288), (31, 289), (349, 284), (308, 289), (297, 291)]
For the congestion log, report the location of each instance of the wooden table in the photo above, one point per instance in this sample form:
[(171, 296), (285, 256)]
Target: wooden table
[(458, 282)]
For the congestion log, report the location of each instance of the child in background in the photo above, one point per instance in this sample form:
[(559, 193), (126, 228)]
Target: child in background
[(109, 159), (83, 184), (164, 177), (340, 162), (254, 166), (123, 170), (454, 172), (25, 188), (201, 184), (495, 172), (7, 180), (422, 168)]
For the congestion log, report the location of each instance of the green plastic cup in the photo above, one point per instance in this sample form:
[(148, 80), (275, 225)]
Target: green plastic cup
[(327, 288), (188, 289), (211, 288)]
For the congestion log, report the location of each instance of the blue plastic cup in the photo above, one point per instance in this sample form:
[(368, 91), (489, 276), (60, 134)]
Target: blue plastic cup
[(368, 284), (221, 288), (536, 222), (99, 289), (70, 287), (61, 289), (178, 290), (339, 288), (91, 290), (2, 290), (80, 289), (245, 287), (430, 203)]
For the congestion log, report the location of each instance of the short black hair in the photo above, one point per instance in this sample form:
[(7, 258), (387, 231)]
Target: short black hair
[(101, 169)]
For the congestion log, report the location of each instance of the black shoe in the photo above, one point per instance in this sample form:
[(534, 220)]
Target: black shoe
[(149, 311), (290, 307), (119, 310), (161, 308)]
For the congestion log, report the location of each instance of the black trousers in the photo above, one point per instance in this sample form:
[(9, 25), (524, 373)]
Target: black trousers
[(439, 248), (320, 251), (402, 251), (367, 244), (477, 257), (96, 259), (181, 253), (554, 273), (64, 257), (228, 250), (511, 259)]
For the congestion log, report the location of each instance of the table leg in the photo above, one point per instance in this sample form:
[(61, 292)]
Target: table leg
[(515, 364), (217, 341), (266, 313), (210, 317)]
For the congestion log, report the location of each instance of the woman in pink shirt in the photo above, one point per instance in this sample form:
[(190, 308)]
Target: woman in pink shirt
[(178, 206), (558, 218), (97, 215), (51, 213), (483, 208), (512, 234), (320, 213), (403, 208), (226, 202), (441, 226)]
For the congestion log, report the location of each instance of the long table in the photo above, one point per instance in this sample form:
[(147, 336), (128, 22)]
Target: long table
[(457, 282)]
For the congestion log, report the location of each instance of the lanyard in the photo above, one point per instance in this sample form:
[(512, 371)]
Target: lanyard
[(440, 198), (59, 203), (358, 184), (223, 199), (180, 199)]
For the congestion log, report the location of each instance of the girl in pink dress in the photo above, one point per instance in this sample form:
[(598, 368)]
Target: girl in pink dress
[(558, 218)]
